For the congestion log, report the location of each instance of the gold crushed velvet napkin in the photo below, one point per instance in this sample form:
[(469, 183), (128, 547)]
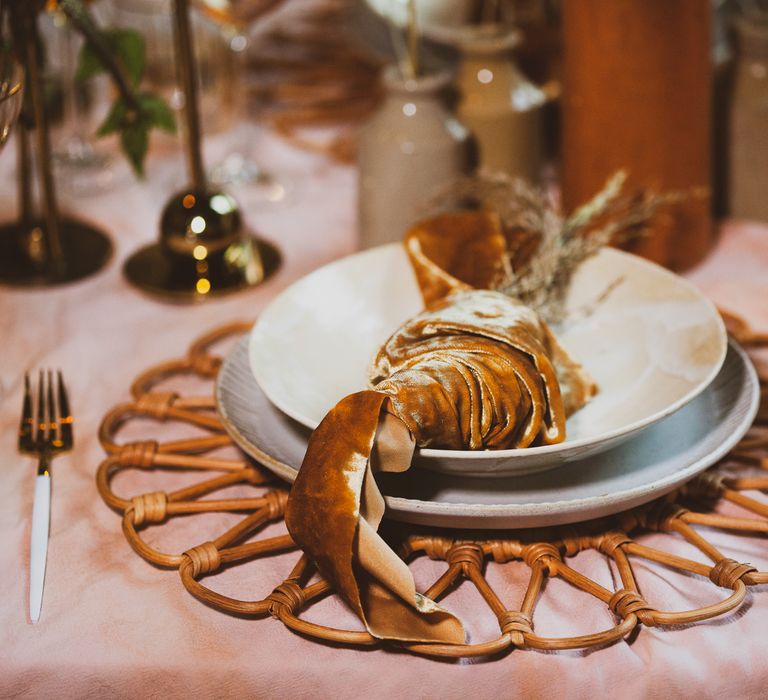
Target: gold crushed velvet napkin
[(475, 370)]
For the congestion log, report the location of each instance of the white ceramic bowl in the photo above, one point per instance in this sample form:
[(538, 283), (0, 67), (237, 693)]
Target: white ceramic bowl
[(653, 344)]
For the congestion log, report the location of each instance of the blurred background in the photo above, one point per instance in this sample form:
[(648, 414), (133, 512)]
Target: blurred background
[(411, 93)]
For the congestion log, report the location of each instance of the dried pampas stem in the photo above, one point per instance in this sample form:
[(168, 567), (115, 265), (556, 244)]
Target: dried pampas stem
[(561, 243)]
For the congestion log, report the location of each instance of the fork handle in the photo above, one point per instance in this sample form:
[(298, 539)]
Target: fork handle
[(38, 549)]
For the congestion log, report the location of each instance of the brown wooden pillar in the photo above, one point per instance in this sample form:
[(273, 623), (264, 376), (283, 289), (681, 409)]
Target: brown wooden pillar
[(637, 81)]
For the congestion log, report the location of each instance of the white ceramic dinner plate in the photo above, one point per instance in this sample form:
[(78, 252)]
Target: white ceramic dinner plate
[(651, 341), (649, 465)]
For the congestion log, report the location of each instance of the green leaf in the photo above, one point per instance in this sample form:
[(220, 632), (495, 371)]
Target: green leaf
[(135, 141), (128, 46), (157, 112), (88, 64), (134, 124), (116, 119)]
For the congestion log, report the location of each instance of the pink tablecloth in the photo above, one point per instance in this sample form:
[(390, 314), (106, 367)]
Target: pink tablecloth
[(114, 626)]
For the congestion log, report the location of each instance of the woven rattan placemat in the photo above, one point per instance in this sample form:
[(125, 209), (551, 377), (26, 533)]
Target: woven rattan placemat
[(544, 553)]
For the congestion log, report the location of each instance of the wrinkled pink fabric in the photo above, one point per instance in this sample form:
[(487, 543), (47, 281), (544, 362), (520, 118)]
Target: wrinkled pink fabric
[(114, 626)]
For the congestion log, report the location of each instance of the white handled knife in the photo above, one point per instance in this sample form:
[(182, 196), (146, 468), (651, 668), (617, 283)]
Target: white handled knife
[(38, 546)]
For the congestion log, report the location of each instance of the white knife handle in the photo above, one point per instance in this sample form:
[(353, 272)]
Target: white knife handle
[(38, 549)]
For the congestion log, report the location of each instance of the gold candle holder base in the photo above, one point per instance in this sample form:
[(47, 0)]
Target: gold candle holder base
[(152, 271), (203, 251), (25, 260)]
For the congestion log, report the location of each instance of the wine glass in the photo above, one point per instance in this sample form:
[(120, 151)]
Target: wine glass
[(153, 19), (11, 81), (238, 168), (39, 247), (82, 167)]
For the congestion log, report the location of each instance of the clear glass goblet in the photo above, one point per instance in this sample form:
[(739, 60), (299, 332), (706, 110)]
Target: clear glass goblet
[(238, 168), (82, 166), (11, 82)]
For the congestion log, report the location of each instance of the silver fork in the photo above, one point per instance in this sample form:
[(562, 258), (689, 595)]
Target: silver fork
[(44, 433)]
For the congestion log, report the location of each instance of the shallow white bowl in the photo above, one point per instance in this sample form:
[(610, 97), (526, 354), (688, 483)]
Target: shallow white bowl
[(652, 344)]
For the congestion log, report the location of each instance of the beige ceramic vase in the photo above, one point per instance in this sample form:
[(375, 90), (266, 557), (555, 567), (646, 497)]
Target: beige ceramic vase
[(501, 107), (411, 148)]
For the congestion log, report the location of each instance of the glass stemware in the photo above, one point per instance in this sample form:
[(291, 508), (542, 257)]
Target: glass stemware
[(11, 83), (11, 80), (204, 247), (220, 29), (81, 166), (238, 168), (40, 247), (154, 20)]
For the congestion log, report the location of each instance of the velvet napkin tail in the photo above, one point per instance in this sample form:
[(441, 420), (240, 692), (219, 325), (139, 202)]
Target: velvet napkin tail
[(335, 508), (456, 252)]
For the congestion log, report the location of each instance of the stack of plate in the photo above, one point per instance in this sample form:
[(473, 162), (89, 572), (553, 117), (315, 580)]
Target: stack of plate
[(675, 395)]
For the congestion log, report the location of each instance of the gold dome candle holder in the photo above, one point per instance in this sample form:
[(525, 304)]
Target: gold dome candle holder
[(204, 250)]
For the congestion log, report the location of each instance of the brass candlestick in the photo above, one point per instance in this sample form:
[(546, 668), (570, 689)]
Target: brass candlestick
[(204, 250), (49, 249)]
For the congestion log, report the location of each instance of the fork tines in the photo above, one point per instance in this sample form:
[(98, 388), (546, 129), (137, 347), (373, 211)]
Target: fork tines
[(46, 425), (26, 429), (65, 415)]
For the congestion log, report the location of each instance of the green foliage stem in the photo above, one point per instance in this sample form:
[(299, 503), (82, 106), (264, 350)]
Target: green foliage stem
[(121, 53)]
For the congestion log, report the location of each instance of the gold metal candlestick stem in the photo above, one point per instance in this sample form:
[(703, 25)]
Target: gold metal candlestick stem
[(46, 250), (412, 34), (24, 174), (204, 249), (188, 82), (50, 206)]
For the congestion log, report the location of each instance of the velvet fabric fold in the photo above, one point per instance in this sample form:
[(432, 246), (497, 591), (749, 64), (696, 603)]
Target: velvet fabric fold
[(335, 509), (475, 370), (473, 373)]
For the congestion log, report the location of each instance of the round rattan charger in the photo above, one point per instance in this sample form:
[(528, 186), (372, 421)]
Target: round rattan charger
[(544, 552)]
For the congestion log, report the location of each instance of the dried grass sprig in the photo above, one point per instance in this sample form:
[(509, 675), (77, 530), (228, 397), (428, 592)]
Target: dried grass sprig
[(561, 243)]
